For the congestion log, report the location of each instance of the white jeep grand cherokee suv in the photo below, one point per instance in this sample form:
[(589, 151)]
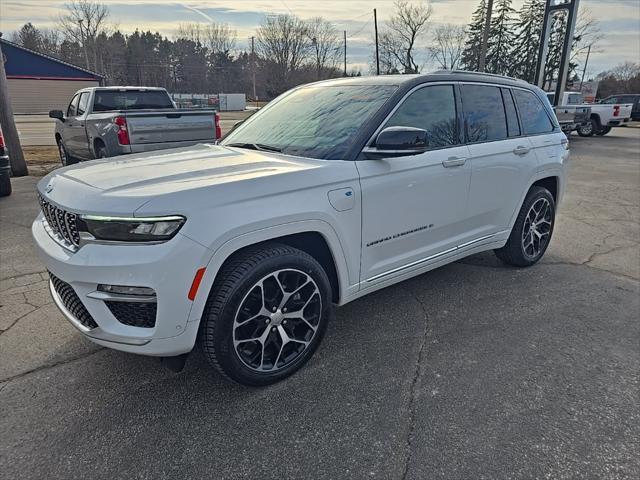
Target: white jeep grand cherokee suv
[(334, 190)]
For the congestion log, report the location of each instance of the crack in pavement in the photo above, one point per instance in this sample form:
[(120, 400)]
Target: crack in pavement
[(19, 318), (413, 390), (50, 365)]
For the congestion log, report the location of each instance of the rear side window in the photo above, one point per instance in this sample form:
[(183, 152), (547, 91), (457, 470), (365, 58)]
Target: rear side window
[(513, 126), (484, 114), (532, 113), (433, 109)]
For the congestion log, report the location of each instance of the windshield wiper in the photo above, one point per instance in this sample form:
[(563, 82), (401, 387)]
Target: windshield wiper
[(256, 146)]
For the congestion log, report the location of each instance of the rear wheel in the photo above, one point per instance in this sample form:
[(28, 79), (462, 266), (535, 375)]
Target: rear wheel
[(65, 158), (266, 314), (588, 129), (532, 230), (101, 151), (5, 185)]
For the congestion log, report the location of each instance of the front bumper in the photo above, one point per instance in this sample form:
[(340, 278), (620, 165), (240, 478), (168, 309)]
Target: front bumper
[(168, 268)]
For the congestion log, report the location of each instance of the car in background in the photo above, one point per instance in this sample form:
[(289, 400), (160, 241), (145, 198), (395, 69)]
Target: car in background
[(104, 122), (632, 98), (5, 169), (571, 111)]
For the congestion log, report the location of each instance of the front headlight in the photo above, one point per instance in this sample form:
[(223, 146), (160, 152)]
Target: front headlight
[(130, 229)]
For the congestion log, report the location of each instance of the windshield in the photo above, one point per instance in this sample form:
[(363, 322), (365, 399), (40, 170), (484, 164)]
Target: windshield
[(107, 100), (316, 121)]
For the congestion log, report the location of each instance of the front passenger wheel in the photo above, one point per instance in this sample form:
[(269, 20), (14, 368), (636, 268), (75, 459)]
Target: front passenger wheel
[(532, 230), (266, 314)]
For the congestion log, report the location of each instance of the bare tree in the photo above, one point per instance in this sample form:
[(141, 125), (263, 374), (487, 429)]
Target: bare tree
[(284, 44), (217, 37), (325, 45), (83, 22), (406, 26), (448, 45)]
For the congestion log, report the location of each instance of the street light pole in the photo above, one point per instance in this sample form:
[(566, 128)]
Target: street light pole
[(375, 23)]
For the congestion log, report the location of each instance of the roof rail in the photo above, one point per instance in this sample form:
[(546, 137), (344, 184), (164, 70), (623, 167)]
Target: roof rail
[(469, 72)]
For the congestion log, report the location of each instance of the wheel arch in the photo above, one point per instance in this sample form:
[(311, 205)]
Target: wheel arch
[(315, 237), (97, 142), (551, 183), (58, 138), (596, 117)]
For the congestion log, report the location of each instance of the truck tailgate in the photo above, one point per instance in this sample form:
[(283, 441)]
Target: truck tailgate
[(171, 126)]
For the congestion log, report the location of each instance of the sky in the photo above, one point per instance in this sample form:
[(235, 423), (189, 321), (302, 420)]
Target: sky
[(619, 20)]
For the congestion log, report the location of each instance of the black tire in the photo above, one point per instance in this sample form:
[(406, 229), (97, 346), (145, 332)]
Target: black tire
[(101, 151), (603, 131), (588, 129), (514, 252), (5, 185), (231, 296), (65, 158)]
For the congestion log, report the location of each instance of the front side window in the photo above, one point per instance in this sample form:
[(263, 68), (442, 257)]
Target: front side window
[(532, 113), (433, 109), (484, 114), (319, 121), (610, 100), (73, 106), (82, 103)]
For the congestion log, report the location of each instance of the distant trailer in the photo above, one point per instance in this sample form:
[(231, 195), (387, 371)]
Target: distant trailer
[(221, 101)]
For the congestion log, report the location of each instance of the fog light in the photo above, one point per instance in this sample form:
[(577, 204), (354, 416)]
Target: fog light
[(125, 290)]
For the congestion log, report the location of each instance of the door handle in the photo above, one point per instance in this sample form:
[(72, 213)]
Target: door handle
[(453, 162), (521, 150)]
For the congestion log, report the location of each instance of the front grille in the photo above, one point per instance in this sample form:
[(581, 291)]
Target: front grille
[(72, 302), (134, 314), (63, 224)]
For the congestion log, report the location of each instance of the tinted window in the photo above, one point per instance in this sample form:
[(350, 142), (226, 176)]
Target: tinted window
[(513, 126), (484, 115), (610, 100), (107, 100), (71, 110), (433, 109), (532, 113), (316, 121), (82, 104)]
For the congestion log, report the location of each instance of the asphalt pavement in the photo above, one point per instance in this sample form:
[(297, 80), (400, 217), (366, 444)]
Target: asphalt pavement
[(472, 371)]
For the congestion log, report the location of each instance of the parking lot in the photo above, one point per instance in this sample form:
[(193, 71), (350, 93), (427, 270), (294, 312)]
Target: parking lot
[(474, 370)]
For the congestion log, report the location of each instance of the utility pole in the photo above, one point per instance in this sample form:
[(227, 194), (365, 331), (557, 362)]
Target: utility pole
[(84, 44), (485, 37), (253, 68), (375, 23), (8, 125), (345, 53), (586, 62)]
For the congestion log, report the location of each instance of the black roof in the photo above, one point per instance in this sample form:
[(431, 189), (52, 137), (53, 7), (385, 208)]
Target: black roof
[(415, 79)]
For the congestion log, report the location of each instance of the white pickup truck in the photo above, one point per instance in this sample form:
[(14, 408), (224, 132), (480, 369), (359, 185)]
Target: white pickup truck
[(602, 118)]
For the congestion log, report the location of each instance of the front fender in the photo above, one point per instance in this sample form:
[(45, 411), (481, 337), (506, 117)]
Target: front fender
[(226, 249)]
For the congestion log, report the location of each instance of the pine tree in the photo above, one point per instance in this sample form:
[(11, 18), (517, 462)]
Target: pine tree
[(471, 52), (527, 40), (501, 37)]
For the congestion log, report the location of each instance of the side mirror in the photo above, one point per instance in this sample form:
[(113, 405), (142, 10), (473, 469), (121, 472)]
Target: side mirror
[(406, 139), (57, 114)]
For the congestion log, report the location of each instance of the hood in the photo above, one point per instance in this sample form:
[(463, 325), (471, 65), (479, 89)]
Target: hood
[(122, 184)]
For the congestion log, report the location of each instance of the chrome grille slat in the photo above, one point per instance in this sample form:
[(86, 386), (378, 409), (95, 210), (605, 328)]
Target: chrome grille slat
[(63, 224)]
